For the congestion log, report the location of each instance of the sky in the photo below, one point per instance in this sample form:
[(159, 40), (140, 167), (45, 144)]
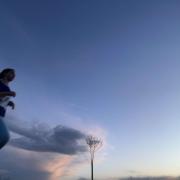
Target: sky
[(101, 67)]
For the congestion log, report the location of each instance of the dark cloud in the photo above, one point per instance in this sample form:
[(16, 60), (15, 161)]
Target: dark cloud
[(40, 138)]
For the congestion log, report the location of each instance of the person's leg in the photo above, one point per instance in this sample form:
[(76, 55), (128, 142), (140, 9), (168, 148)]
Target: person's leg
[(4, 134)]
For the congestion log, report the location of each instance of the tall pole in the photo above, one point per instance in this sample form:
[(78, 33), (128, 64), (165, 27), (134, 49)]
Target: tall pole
[(94, 144), (92, 173)]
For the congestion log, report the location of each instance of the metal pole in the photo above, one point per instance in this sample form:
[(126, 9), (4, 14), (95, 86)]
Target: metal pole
[(92, 173)]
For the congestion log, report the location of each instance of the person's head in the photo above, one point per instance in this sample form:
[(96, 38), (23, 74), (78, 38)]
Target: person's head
[(7, 74)]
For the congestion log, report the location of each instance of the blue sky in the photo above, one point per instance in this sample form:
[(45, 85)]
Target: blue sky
[(105, 66)]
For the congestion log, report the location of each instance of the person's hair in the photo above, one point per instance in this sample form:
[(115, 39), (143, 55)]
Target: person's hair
[(5, 71)]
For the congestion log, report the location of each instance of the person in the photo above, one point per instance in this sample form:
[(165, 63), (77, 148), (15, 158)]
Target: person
[(6, 76)]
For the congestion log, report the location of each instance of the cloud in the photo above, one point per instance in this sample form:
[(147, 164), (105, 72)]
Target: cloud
[(57, 167), (40, 138), (41, 152), (20, 164)]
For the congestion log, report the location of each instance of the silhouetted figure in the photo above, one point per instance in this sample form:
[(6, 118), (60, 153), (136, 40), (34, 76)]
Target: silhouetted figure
[(6, 76)]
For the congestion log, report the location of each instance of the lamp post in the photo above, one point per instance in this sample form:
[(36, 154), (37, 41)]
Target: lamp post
[(94, 144)]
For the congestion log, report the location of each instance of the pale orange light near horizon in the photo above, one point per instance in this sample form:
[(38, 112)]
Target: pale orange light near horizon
[(57, 166)]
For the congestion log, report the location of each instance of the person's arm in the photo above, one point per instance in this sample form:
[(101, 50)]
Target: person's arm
[(6, 93), (11, 104)]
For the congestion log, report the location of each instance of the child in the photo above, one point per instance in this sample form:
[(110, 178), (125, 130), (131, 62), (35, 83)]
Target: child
[(6, 76)]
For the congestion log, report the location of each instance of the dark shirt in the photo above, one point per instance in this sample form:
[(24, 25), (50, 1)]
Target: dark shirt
[(3, 88)]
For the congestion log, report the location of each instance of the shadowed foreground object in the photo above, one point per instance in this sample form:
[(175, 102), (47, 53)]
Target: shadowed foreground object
[(6, 76), (4, 135), (94, 144)]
